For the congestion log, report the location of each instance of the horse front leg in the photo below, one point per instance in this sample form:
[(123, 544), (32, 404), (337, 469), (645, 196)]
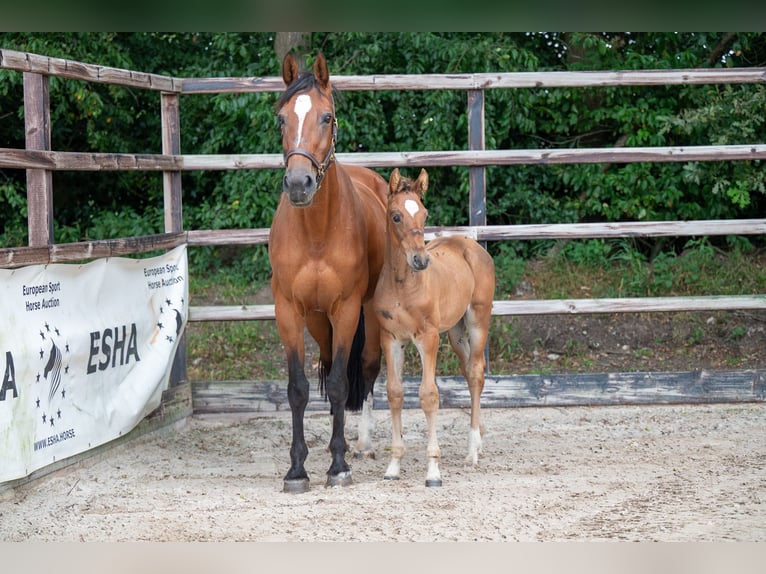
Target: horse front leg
[(428, 346), (290, 327), (394, 353), (344, 326)]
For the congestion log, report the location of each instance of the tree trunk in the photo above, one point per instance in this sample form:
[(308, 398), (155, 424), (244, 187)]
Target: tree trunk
[(298, 43)]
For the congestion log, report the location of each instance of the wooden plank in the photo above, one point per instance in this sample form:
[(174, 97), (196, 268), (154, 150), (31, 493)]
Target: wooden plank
[(173, 204), (83, 161), (533, 307), (228, 236), (14, 257), (486, 81), (510, 391), (176, 405), (530, 231), (171, 146), (477, 192), (231, 313), (628, 305), (554, 156), (605, 230), (26, 62), (239, 161), (69, 252), (37, 126), (226, 85), (479, 158)]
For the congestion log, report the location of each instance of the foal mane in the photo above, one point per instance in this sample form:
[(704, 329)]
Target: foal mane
[(405, 185)]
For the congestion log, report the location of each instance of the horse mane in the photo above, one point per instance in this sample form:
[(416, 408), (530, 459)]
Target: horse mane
[(305, 82)]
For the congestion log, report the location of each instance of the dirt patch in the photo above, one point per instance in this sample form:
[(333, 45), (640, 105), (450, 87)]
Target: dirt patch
[(672, 473), (688, 341)]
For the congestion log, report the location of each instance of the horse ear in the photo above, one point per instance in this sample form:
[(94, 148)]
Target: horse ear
[(289, 69), (393, 181), (320, 71), (421, 184)]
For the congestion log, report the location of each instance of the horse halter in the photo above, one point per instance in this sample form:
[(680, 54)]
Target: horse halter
[(328, 159)]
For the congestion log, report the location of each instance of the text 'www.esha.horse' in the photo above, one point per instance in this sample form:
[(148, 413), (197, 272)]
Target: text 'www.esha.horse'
[(326, 249), (448, 285)]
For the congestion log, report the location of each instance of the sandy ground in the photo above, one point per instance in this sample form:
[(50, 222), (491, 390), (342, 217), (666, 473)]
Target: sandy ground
[(669, 473)]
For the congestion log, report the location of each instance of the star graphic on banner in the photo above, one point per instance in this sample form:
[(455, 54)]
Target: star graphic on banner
[(174, 327), (54, 370)]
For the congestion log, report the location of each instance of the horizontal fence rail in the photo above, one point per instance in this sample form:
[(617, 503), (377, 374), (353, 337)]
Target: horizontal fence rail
[(39, 160), (25, 62), (67, 252), (82, 161)]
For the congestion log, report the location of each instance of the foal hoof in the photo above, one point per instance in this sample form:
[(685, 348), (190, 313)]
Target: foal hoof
[(296, 485), (340, 479), (386, 477), (364, 454), (433, 482)]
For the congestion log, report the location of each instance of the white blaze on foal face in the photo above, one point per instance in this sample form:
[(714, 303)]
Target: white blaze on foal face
[(411, 206), (302, 107)]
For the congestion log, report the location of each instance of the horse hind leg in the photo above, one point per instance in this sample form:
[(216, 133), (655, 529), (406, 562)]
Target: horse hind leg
[(469, 347), (363, 448)]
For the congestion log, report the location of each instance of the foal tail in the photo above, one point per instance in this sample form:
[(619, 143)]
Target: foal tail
[(354, 370)]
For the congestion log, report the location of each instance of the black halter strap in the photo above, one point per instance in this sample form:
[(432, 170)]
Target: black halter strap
[(328, 159)]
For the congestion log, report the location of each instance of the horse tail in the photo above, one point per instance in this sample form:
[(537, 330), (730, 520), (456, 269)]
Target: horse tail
[(355, 372)]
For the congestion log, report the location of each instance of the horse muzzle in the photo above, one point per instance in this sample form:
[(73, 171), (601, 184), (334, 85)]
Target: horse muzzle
[(300, 186), (418, 261)]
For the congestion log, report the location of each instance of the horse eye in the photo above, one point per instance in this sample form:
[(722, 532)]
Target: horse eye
[(396, 218), (281, 121), (327, 118)]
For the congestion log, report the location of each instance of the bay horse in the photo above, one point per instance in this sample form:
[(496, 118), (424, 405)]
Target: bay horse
[(424, 290), (326, 246)]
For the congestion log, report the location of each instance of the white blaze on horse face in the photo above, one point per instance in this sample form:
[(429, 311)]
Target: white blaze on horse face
[(302, 107), (411, 206)]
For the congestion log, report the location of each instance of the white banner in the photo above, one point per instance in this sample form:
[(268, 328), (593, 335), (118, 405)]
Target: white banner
[(85, 353)]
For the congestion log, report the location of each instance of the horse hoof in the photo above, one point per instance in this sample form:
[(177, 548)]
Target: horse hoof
[(365, 454), (390, 478), (433, 482), (340, 479), (296, 485)]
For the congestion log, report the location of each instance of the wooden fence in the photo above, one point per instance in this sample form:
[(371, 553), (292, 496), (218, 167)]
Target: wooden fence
[(39, 161)]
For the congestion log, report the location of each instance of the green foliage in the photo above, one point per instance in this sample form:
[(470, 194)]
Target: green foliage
[(102, 118)]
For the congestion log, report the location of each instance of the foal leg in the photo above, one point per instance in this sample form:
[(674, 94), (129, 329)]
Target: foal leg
[(394, 353), (472, 368), (428, 346)]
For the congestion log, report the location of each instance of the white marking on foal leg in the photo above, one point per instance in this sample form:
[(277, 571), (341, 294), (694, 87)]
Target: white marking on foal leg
[(433, 475), (366, 427), (302, 107), (411, 206), (394, 469), (474, 447)]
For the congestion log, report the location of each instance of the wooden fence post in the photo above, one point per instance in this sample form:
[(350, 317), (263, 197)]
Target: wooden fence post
[(171, 181), (477, 189), (37, 126), (476, 175)]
